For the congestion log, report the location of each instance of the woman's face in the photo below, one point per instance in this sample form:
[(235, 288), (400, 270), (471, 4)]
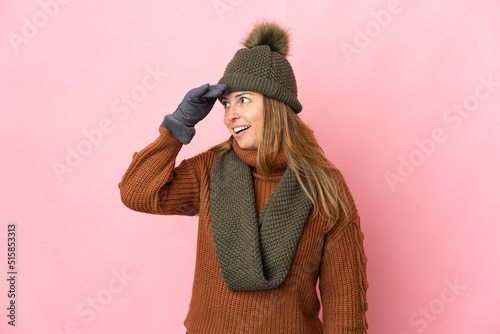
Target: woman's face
[(244, 117)]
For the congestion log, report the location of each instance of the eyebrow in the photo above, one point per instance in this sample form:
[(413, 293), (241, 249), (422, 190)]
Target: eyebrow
[(238, 95)]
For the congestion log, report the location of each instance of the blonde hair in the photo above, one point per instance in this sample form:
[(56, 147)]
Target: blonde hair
[(320, 179)]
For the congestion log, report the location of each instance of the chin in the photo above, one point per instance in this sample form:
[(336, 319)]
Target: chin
[(246, 146)]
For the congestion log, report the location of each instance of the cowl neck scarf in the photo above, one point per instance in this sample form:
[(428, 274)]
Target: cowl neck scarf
[(254, 251)]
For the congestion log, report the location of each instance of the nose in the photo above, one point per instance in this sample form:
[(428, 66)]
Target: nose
[(232, 112)]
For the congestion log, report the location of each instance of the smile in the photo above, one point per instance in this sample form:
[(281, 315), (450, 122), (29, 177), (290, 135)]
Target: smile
[(241, 128)]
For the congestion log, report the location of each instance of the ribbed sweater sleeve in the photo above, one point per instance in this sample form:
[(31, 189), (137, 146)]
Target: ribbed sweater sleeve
[(152, 184), (343, 281)]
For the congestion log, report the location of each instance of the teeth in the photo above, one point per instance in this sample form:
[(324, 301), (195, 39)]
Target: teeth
[(241, 128)]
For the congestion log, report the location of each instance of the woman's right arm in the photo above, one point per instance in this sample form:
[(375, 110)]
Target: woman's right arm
[(152, 184)]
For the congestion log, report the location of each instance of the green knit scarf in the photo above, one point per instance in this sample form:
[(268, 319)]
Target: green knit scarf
[(254, 252)]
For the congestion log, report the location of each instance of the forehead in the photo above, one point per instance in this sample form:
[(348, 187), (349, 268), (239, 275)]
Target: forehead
[(237, 94)]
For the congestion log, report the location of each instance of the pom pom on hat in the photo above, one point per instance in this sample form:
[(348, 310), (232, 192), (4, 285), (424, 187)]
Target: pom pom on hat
[(270, 34)]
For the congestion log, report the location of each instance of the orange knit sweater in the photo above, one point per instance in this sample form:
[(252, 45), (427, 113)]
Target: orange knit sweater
[(153, 184)]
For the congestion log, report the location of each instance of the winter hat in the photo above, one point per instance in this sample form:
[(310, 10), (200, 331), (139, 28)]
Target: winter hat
[(262, 66)]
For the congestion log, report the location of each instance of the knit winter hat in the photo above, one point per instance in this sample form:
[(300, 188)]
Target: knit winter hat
[(262, 66)]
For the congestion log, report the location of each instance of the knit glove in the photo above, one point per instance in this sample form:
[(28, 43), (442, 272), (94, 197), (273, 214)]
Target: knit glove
[(194, 107)]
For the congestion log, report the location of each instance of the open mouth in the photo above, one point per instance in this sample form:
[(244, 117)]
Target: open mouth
[(240, 129)]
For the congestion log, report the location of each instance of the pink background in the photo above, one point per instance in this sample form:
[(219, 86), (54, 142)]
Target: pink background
[(382, 84)]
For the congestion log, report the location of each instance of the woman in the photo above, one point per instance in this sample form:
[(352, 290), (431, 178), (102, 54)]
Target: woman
[(274, 214)]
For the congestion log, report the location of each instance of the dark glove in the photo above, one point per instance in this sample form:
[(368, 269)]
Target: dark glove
[(197, 103), (194, 107)]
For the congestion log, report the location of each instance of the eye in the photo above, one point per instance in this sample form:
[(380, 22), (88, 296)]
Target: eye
[(245, 99), (225, 104)]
